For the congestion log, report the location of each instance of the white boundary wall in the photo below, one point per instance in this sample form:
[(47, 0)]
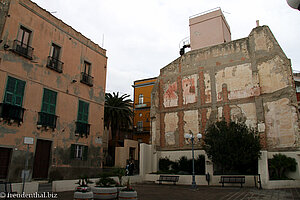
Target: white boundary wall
[(149, 158)]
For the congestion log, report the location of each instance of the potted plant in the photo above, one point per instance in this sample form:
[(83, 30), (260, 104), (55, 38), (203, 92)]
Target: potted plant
[(105, 188), (119, 172), (128, 192), (83, 191)]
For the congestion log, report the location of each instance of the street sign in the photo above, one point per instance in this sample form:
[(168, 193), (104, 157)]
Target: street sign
[(28, 140)]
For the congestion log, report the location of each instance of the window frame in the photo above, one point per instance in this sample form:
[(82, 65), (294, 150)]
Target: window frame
[(14, 94), (20, 37), (87, 68), (48, 103), (55, 48), (141, 98), (83, 114)]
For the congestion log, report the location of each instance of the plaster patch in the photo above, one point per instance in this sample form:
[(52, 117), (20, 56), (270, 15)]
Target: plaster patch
[(170, 95), (170, 138), (189, 87)]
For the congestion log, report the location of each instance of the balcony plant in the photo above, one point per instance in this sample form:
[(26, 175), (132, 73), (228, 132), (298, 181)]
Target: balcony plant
[(83, 191), (128, 192), (105, 188)]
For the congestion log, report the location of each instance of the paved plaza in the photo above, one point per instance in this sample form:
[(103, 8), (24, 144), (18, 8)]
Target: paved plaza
[(184, 192)]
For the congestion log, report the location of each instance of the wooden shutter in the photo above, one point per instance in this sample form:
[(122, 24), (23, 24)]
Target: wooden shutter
[(85, 153), (49, 101), (14, 91), (83, 112), (72, 151)]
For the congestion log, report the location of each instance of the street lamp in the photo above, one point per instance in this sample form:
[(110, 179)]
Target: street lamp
[(294, 4), (190, 137)]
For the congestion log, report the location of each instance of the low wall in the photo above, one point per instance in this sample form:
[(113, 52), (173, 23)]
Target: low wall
[(200, 180), (70, 185), (29, 188)]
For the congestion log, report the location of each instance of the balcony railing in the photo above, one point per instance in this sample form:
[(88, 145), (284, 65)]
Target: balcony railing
[(55, 64), (47, 120), (23, 49), (86, 79), (82, 129), (11, 112), (145, 129)]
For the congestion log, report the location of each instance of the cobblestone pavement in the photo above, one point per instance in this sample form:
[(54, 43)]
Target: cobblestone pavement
[(184, 192)]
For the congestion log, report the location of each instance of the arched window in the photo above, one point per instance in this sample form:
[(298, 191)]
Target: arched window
[(141, 99)]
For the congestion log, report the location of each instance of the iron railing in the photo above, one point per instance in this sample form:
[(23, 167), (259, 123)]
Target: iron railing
[(55, 64), (11, 112), (82, 129), (47, 120), (86, 79), (23, 49)]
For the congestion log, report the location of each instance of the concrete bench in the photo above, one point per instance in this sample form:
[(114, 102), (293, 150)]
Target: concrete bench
[(232, 179), (168, 178)]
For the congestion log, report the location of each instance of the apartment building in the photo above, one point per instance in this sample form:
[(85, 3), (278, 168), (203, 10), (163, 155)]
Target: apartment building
[(52, 88)]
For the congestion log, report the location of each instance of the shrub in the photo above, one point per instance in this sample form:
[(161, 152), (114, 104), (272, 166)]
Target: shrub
[(164, 164), (233, 147), (279, 165), (105, 180)]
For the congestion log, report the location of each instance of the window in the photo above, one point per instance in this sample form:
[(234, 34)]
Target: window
[(47, 115), (141, 99), (11, 108), (14, 91), (82, 126), (21, 44), (24, 36), (79, 152), (86, 77), (140, 126), (53, 60), (83, 112), (49, 101), (87, 68)]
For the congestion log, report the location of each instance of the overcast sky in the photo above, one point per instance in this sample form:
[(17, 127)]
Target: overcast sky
[(141, 37)]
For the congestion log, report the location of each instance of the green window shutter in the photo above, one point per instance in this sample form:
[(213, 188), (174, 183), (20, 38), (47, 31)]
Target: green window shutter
[(14, 91), (83, 112), (85, 153), (72, 152), (49, 101)]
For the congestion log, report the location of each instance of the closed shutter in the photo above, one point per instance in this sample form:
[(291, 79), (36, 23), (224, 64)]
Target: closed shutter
[(83, 112), (72, 151), (14, 91), (85, 153), (49, 101)]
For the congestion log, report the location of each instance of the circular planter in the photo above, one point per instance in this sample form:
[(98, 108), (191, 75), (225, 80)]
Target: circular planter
[(83, 195), (121, 188), (128, 195), (104, 192)]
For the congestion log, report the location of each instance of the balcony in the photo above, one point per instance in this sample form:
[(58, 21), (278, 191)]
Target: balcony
[(47, 120), (11, 113), (86, 79), (54, 64), (145, 129), (142, 105), (82, 129), (22, 49)]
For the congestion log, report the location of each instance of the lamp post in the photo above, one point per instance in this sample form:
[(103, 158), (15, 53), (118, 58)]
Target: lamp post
[(294, 4), (190, 136)]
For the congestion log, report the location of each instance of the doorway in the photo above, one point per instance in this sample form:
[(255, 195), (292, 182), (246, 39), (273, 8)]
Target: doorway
[(5, 154), (41, 159)]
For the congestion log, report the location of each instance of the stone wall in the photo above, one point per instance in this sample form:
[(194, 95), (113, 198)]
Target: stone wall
[(247, 80)]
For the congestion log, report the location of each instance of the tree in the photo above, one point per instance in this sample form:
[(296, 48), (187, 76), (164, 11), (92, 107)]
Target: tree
[(233, 147), (117, 114)]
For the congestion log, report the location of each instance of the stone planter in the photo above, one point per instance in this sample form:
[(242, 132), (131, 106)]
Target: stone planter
[(105, 192), (121, 188), (127, 195), (83, 195)]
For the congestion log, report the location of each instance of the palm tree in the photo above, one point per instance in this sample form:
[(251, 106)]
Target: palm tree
[(117, 114)]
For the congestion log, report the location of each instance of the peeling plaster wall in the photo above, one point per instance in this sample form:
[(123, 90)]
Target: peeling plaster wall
[(75, 49), (247, 80)]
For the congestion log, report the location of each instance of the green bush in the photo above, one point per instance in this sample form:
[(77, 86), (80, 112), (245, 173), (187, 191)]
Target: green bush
[(233, 147), (279, 165), (164, 164), (182, 166)]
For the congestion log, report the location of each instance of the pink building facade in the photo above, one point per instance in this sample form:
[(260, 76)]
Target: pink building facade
[(52, 86)]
